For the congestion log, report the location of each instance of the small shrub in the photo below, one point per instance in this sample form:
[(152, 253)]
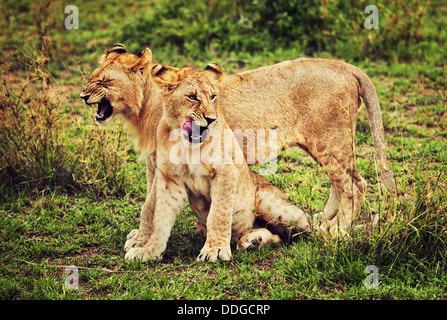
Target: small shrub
[(37, 142)]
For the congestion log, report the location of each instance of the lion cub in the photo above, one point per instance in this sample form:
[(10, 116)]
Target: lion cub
[(198, 157)]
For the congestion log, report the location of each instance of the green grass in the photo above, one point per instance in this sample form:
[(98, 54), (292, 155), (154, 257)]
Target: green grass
[(74, 201), (57, 231)]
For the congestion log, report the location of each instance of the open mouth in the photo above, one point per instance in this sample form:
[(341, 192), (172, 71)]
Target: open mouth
[(105, 110), (193, 132)]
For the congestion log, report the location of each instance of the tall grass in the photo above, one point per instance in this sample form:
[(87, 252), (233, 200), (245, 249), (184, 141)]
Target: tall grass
[(408, 247), (43, 146)]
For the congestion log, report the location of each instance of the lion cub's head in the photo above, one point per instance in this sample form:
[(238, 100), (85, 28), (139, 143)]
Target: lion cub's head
[(189, 98), (116, 86)]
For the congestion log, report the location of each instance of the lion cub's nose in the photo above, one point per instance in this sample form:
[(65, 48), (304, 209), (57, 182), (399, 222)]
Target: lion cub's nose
[(210, 120), (84, 96)]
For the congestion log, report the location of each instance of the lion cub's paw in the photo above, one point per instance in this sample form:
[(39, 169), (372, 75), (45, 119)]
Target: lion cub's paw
[(249, 243), (146, 253), (317, 219), (256, 239), (133, 241), (211, 254)]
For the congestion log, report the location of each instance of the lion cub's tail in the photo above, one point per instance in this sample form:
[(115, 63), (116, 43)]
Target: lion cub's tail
[(369, 95)]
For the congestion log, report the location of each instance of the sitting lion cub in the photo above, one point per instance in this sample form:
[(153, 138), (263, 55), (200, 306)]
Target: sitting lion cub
[(207, 165)]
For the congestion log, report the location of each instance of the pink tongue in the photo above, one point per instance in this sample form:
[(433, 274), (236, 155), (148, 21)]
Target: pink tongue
[(190, 128), (187, 127), (103, 110)]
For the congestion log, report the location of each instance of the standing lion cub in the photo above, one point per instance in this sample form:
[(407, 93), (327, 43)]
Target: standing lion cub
[(208, 166)]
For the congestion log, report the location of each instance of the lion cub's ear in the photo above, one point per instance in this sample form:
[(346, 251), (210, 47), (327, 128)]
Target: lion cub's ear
[(165, 77), (213, 71), (117, 48), (143, 62)]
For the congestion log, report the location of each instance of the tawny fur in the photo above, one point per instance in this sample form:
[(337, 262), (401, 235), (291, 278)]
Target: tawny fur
[(313, 103), (226, 196)]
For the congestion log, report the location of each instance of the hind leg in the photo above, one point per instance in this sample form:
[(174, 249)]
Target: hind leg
[(282, 217), (351, 188), (330, 210), (256, 238)]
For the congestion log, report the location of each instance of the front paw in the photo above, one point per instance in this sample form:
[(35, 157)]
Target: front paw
[(133, 241), (211, 254), (146, 253)]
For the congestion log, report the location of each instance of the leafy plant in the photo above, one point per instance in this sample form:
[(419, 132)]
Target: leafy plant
[(38, 143), (197, 28)]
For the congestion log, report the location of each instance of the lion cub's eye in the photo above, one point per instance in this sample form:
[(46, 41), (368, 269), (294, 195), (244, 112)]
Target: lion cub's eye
[(192, 97), (213, 97)]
